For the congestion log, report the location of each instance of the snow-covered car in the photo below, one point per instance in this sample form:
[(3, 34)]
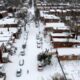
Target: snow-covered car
[(22, 53), (38, 45), (2, 76), (37, 36), (19, 72), (21, 62), (24, 46), (40, 67)]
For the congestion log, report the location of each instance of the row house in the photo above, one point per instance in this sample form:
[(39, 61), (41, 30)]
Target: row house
[(9, 22), (2, 67), (65, 12), (3, 14), (51, 19), (56, 27), (64, 42), (2, 6), (61, 35), (1, 50), (64, 54), (52, 11), (11, 9), (7, 38), (5, 46), (4, 56), (48, 18)]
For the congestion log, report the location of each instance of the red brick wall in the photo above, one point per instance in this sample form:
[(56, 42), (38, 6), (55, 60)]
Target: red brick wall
[(69, 57)]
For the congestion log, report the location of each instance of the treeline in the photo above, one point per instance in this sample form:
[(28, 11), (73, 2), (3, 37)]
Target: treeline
[(70, 1), (13, 2)]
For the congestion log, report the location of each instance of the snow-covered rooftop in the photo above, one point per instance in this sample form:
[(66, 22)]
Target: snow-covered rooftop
[(60, 34), (5, 35), (4, 39), (6, 32), (52, 10), (47, 16), (68, 51), (65, 40), (1, 64), (2, 78), (59, 25), (3, 11), (4, 55), (42, 13), (2, 43), (59, 10), (8, 21)]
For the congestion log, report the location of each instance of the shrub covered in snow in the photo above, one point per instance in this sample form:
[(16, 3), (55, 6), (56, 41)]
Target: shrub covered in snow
[(58, 77), (45, 58)]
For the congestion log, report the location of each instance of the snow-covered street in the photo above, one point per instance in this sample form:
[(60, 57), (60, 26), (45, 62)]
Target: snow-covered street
[(29, 69)]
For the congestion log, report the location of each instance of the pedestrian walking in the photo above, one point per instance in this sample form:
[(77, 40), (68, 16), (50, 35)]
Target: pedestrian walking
[(27, 71)]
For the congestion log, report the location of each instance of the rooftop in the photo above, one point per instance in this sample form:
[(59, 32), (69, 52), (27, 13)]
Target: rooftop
[(65, 40), (58, 25), (60, 34), (68, 51), (8, 21)]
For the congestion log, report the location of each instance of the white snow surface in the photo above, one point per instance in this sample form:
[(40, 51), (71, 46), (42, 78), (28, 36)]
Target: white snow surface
[(68, 51), (59, 25), (8, 21), (30, 58)]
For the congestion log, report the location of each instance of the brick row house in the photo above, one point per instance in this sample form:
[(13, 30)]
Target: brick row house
[(61, 37), (9, 32), (65, 54), (57, 27), (3, 14), (9, 22)]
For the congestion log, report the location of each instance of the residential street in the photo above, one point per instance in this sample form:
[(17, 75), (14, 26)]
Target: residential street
[(29, 69), (39, 39)]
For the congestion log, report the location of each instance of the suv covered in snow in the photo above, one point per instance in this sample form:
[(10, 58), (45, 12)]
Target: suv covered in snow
[(22, 53), (21, 62), (19, 72), (40, 67), (2, 76)]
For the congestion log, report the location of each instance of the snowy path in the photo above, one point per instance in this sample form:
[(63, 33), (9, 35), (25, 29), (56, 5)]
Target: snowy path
[(31, 51)]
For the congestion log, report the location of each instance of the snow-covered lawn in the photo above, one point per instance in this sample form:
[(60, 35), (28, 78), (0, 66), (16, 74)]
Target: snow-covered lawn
[(72, 69)]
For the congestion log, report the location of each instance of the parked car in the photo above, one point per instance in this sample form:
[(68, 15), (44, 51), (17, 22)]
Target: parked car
[(2, 76), (40, 67), (24, 46), (22, 53), (19, 72), (39, 45), (21, 62), (37, 36)]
